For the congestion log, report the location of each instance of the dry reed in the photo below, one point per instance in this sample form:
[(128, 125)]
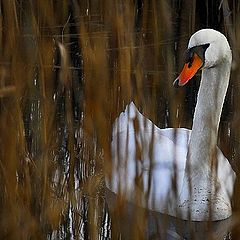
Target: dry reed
[(67, 69)]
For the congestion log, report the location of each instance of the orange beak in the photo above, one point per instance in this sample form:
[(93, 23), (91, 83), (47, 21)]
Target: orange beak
[(189, 70)]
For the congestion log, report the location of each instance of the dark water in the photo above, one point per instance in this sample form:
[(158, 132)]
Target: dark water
[(160, 226)]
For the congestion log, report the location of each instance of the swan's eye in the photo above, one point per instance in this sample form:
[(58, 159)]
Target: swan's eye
[(205, 46), (189, 57), (199, 50), (190, 62)]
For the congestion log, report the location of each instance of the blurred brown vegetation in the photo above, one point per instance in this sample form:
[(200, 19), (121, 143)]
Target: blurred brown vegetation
[(67, 69)]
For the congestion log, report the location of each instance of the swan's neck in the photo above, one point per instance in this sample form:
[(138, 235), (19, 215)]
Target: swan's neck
[(211, 95)]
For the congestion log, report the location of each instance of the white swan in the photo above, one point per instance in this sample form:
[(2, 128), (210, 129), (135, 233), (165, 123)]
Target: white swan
[(180, 172)]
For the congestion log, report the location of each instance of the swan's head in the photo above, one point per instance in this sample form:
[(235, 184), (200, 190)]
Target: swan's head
[(206, 49)]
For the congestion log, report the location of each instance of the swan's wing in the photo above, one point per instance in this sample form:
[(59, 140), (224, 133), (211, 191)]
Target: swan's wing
[(132, 120), (226, 175), (144, 158), (179, 136)]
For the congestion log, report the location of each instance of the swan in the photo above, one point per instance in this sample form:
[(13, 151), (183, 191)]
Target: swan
[(177, 171)]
